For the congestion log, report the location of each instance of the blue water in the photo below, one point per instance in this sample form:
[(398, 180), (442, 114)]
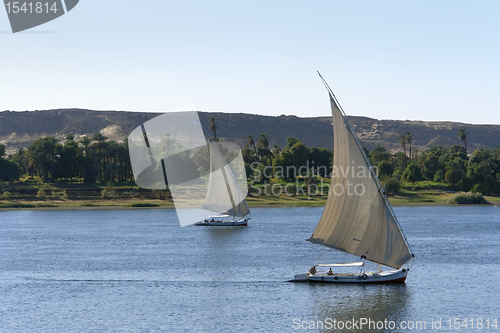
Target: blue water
[(139, 271)]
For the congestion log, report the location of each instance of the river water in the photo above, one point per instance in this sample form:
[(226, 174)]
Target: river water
[(139, 271)]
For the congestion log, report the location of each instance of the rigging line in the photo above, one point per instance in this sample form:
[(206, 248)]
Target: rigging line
[(151, 157), (207, 133), (374, 177), (410, 263), (367, 161), (358, 143), (370, 265), (145, 136), (321, 256)]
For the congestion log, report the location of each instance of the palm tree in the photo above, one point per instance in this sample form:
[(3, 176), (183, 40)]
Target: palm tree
[(111, 156), (123, 161), (20, 157), (251, 142), (408, 139), (49, 150), (264, 141), (212, 126), (378, 153), (33, 161), (87, 169), (41, 155), (100, 139), (416, 155), (276, 150), (402, 141), (463, 136), (85, 142), (246, 154), (2, 149), (400, 159), (264, 147)]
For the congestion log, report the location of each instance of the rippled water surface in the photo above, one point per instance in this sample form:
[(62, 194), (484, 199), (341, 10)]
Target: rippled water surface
[(139, 271)]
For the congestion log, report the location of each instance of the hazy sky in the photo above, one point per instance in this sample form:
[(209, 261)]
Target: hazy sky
[(420, 60)]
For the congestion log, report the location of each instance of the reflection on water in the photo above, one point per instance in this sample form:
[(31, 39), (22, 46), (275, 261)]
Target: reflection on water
[(348, 303)]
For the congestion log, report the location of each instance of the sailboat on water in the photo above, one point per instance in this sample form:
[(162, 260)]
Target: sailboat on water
[(223, 191), (358, 218)]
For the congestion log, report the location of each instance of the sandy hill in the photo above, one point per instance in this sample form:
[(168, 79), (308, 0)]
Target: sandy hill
[(19, 129)]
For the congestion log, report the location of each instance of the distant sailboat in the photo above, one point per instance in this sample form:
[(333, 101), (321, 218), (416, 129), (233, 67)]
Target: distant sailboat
[(358, 218), (223, 192)]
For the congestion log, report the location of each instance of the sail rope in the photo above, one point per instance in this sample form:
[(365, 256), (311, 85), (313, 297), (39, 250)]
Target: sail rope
[(321, 256)]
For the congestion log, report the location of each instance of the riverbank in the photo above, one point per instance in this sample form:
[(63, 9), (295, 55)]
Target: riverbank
[(37, 195), (403, 199)]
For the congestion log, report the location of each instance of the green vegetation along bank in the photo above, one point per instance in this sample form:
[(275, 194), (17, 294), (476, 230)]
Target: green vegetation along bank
[(96, 171), (35, 194)]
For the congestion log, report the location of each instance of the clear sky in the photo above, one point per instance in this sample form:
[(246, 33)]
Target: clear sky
[(418, 60)]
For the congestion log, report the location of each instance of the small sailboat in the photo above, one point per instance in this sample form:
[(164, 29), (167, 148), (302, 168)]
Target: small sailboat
[(358, 218), (223, 192)]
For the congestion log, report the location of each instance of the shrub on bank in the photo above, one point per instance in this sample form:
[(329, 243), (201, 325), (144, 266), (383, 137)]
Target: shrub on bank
[(143, 204), (392, 185), (41, 194), (468, 198)]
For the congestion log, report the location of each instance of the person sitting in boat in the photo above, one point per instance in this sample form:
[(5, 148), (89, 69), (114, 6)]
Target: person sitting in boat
[(330, 272), (312, 270)]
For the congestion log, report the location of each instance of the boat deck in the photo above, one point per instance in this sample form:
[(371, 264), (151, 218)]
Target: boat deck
[(398, 276)]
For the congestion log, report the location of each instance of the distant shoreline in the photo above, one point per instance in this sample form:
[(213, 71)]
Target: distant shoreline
[(117, 204), (26, 195)]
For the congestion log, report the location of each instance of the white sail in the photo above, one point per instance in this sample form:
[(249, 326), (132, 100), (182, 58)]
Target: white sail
[(224, 195), (358, 218)]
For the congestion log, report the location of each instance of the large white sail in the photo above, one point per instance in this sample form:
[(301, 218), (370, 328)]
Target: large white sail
[(224, 195), (358, 218)]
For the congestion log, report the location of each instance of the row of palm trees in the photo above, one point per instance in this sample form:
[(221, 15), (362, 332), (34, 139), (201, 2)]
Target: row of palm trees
[(92, 158), (403, 139), (407, 138), (261, 150)]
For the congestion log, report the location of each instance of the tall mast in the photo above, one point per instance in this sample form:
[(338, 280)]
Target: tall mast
[(367, 161)]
